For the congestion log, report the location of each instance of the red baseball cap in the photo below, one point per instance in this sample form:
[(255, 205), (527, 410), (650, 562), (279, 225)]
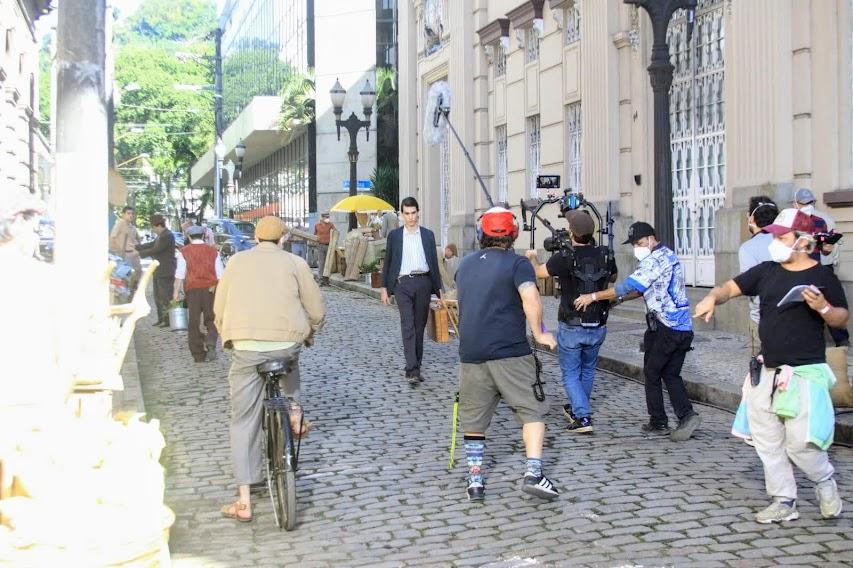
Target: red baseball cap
[(790, 220), (499, 222)]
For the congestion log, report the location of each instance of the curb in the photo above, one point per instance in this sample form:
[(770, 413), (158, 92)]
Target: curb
[(130, 399), (723, 396)]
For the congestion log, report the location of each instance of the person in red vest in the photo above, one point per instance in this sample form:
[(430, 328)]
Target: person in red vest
[(199, 270)]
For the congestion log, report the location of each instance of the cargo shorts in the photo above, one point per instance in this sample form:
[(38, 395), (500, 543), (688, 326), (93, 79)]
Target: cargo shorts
[(483, 385)]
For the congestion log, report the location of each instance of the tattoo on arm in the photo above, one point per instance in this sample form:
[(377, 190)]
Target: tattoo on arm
[(524, 286)]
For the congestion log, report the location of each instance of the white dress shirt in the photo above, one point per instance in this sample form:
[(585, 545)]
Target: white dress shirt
[(181, 270), (414, 259)]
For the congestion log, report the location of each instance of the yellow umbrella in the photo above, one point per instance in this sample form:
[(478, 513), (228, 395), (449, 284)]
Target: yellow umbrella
[(355, 203)]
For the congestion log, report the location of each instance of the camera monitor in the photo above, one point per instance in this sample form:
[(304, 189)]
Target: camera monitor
[(548, 182)]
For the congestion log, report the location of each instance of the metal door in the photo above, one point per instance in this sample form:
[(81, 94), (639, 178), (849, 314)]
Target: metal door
[(697, 120)]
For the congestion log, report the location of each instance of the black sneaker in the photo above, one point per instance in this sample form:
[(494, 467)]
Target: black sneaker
[(652, 428), (580, 425), (412, 377), (686, 427), (567, 412), (539, 486), (476, 491)]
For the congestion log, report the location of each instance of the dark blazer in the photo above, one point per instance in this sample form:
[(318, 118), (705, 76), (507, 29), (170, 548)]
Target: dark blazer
[(394, 258), (163, 251)]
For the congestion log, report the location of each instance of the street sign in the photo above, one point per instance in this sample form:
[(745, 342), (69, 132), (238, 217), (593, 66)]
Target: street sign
[(363, 185)]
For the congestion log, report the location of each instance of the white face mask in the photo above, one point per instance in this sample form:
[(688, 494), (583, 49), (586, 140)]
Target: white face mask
[(641, 253), (807, 209), (779, 252)]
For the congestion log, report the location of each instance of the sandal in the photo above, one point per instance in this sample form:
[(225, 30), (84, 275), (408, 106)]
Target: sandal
[(307, 426), (234, 510)]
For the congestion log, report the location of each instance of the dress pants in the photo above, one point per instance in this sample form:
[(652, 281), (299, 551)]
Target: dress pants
[(200, 304), (164, 288), (322, 251), (413, 294)]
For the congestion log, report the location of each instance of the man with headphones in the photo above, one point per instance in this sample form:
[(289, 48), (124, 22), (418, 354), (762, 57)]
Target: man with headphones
[(497, 297)]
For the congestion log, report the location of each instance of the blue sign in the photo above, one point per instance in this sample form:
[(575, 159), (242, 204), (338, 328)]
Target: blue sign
[(363, 185)]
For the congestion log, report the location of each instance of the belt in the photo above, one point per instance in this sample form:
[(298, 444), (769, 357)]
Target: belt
[(412, 275)]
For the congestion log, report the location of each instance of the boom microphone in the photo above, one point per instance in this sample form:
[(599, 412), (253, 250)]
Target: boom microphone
[(438, 104)]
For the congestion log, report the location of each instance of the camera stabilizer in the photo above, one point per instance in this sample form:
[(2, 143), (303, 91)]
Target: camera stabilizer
[(568, 201)]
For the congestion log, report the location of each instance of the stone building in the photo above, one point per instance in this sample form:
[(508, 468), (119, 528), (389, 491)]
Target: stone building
[(760, 103), (24, 151)]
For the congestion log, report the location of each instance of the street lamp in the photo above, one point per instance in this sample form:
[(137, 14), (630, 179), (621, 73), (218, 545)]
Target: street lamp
[(218, 153), (660, 73), (240, 153), (352, 124)]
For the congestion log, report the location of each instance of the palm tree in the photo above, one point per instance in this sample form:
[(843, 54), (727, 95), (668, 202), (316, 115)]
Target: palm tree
[(297, 104)]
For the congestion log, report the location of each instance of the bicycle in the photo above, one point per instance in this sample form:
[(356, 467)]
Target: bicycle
[(282, 458)]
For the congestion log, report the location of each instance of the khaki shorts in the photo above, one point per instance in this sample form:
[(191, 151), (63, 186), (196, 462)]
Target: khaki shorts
[(483, 385)]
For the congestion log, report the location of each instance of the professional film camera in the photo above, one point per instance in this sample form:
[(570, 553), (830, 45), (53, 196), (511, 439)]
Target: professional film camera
[(567, 201)]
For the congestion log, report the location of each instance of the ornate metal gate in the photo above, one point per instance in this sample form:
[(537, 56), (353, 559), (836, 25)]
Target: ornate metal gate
[(697, 118)]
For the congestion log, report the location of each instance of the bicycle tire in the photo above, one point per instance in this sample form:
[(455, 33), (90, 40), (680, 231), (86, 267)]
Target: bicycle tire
[(269, 447), (285, 476)]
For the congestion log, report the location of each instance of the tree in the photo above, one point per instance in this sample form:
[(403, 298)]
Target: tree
[(169, 20), (297, 101), (44, 87)]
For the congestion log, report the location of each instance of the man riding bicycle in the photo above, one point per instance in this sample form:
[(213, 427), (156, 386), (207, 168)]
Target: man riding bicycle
[(267, 306)]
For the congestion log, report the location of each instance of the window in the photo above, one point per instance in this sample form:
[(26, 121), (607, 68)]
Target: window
[(500, 61), (501, 169), (531, 53), (534, 155), (573, 144), (573, 23)]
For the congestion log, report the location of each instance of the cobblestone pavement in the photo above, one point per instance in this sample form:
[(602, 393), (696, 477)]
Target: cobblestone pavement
[(374, 490)]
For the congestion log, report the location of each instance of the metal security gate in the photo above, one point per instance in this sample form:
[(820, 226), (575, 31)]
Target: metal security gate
[(697, 120)]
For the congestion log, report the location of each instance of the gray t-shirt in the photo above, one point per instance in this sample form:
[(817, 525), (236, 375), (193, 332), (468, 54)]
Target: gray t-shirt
[(752, 253)]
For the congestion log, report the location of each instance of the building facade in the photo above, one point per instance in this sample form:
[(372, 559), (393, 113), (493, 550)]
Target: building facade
[(24, 152), (760, 104), (268, 47)]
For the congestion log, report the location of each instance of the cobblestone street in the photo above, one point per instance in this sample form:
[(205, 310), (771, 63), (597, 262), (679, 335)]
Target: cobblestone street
[(374, 490)]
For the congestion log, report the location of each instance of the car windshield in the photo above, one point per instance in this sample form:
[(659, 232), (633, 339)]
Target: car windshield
[(247, 229)]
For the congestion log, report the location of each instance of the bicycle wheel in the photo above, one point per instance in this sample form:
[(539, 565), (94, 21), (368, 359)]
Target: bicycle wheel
[(284, 476), (270, 444)]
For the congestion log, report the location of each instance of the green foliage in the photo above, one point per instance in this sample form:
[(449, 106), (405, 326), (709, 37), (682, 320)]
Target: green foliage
[(386, 183), (387, 146), (368, 267), (252, 69), (169, 20), (298, 104), (386, 85), (178, 125), (44, 89)]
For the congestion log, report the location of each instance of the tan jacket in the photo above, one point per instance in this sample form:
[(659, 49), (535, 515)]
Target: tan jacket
[(123, 238), (267, 294)]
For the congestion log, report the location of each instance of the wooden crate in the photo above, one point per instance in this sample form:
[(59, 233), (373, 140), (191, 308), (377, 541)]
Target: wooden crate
[(438, 325)]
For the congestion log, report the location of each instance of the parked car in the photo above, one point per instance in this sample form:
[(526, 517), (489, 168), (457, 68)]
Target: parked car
[(232, 236), (47, 237)]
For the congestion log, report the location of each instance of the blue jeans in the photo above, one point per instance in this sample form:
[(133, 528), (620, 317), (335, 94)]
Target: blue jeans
[(578, 353)]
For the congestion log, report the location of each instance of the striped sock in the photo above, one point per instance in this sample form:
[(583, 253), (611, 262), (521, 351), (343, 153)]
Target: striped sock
[(534, 467), (475, 447)]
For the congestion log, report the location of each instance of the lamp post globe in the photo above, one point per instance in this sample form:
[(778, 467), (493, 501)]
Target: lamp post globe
[(240, 150), (368, 97), (219, 149), (338, 94)]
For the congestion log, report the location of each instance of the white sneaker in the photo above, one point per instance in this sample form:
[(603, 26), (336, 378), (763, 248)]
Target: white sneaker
[(830, 500), (778, 512)]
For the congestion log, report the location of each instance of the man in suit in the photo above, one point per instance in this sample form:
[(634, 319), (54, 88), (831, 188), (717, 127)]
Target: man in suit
[(163, 251), (411, 273)]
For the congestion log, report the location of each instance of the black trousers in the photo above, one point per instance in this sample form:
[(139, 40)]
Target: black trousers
[(413, 294), (664, 352), (200, 305), (164, 288)]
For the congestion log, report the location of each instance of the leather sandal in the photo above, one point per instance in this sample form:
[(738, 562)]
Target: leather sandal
[(236, 510)]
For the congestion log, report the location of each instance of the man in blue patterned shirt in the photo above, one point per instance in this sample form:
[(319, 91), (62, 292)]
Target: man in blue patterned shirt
[(659, 278)]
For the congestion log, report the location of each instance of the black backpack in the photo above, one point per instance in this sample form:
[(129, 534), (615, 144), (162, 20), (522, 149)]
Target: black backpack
[(592, 274)]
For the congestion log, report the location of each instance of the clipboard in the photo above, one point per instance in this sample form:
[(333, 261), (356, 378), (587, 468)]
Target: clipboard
[(795, 294)]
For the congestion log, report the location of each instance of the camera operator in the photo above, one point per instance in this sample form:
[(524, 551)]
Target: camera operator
[(583, 268), (787, 404), (660, 279)]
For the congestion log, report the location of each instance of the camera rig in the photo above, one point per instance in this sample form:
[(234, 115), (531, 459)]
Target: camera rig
[(568, 201)]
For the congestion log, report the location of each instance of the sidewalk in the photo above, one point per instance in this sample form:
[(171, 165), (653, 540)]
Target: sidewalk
[(713, 371)]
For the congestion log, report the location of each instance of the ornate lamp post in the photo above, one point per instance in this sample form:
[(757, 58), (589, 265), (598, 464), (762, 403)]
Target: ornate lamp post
[(660, 73), (353, 124), (218, 154)]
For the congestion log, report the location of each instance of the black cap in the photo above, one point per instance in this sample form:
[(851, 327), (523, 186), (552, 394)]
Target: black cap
[(639, 230)]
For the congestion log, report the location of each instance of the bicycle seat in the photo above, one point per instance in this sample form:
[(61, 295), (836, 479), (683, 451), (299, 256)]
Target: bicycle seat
[(275, 366)]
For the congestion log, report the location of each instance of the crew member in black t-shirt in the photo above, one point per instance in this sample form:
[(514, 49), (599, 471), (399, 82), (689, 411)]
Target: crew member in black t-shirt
[(585, 268), (497, 295), (793, 349)]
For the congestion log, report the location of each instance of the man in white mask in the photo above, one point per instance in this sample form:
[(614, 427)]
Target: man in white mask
[(786, 407), (659, 278), (827, 254)]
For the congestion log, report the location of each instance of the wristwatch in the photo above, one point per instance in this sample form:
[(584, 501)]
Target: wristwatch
[(620, 299)]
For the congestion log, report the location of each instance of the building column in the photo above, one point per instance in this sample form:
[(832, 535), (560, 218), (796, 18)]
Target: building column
[(407, 45)]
